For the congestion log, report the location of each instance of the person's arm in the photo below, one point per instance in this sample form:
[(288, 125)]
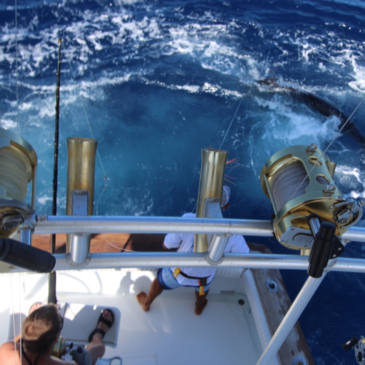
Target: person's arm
[(7, 356), (7, 353)]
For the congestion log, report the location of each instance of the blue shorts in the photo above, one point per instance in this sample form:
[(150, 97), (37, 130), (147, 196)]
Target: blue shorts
[(168, 282)]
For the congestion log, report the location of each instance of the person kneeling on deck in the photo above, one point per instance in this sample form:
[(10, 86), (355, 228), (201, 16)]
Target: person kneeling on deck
[(199, 278), (40, 332)]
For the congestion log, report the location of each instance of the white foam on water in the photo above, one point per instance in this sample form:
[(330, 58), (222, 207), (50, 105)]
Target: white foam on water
[(195, 89), (43, 200), (218, 90), (42, 104), (291, 127), (331, 53), (127, 2), (205, 40), (346, 170), (359, 75), (189, 88), (352, 178), (355, 194), (359, 3)]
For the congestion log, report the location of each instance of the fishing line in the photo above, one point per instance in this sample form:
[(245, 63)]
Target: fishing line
[(231, 122), (105, 187), (229, 127), (17, 130), (12, 311), (97, 151), (20, 316), (88, 123), (119, 248), (337, 134)]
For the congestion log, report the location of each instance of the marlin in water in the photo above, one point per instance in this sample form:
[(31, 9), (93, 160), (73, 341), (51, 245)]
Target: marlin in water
[(319, 104)]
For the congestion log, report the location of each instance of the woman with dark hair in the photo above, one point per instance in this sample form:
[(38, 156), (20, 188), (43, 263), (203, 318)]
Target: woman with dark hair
[(40, 332)]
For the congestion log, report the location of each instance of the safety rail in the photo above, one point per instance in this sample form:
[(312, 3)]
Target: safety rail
[(119, 224)]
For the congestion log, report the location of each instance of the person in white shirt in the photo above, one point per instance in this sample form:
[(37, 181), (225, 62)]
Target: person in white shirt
[(199, 278)]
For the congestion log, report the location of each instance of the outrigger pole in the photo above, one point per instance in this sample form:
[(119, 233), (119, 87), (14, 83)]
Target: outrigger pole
[(52, 276)]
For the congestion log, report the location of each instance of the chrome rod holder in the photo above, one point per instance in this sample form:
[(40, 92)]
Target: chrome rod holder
[(25, 235), (216, 243), (79, 242)]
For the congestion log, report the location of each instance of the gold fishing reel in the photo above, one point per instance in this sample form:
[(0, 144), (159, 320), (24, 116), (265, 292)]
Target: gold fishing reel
[(298, 180), (18, 163)]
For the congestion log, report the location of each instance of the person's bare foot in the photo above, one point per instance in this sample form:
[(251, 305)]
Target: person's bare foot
[(141, 297), (199, 309), (108, 316)]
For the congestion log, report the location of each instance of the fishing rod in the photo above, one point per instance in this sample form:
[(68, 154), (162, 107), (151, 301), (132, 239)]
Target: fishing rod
[(52, 275), (56, 142)]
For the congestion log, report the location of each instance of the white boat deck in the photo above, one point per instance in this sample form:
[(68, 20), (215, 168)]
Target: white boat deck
[(170, 333)]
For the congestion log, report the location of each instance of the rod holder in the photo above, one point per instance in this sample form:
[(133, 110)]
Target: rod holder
[(79, 242), (217, 243), (322, 248), (80, 188), (216, 249), (210, 186), (25, 235), (80, 248)]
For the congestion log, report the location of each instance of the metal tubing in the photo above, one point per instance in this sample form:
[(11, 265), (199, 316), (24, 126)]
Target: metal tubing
[(117, 224), (80, 169), (210, 186), (25, 235), (79, 243), (110, 224), (286, 325), (314, 225), (80, 174), (217, 247), (80, 247), (152, 260), (354, 234), (348, 265)]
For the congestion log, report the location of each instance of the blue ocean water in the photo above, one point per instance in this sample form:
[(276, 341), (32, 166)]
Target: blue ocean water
[(160, 80)]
